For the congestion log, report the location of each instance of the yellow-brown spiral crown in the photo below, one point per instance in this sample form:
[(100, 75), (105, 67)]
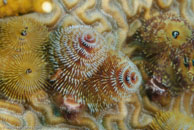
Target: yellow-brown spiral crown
[(166, 38), (23, 75), (116, 79), (167, 30), (22, 33), (76, 51)]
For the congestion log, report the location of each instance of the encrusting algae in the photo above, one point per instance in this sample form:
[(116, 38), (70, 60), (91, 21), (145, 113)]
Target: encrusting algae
[(96, 84)]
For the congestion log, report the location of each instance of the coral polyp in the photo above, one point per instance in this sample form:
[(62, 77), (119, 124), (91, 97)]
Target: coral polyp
[(22, 33), (76, 53), (23, 75), (116, 79), (172, 120)]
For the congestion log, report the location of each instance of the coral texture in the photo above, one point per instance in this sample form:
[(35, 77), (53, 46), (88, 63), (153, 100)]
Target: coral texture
[(13, 116), (122, 17), (116, 21), (49, 19), (171, 120)]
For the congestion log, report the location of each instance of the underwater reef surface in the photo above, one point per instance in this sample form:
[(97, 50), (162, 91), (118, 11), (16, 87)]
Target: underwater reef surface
[(97, 64)]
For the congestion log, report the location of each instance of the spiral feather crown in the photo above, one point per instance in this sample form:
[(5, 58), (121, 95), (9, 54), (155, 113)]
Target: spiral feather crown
[(88, 70), (77, 52), (116, 79)]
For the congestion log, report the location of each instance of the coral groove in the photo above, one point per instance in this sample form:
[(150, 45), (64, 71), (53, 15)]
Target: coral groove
[(93, 16), (41, 104), (118, 16)]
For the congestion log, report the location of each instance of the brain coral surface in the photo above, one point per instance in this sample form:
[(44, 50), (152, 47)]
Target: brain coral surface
[(105, 98)]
